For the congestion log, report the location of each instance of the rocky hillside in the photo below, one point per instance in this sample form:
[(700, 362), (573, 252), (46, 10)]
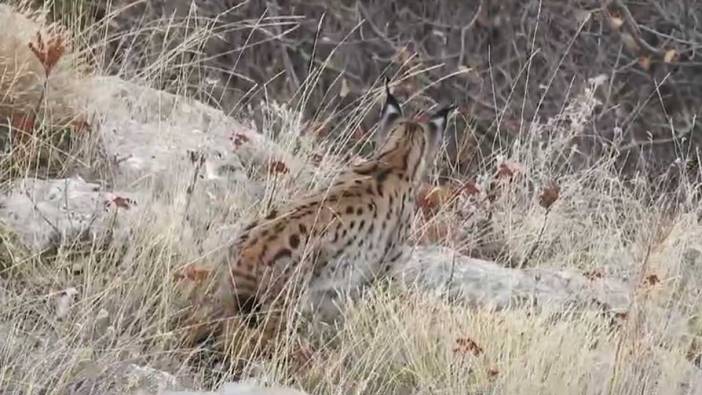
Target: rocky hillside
[(118, 193)]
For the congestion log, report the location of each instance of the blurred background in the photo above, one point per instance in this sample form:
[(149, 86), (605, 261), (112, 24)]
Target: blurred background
[(507, 63)]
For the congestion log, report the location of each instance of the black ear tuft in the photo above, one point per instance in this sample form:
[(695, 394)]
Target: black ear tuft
[(391, 109), (390, 113), (439, 119)]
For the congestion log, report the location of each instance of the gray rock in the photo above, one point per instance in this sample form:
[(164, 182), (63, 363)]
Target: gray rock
[(482, 283), (148, 134), (46, 213), (243, 389)]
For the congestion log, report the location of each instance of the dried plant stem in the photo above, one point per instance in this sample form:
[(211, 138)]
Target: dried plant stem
[(535, 246)]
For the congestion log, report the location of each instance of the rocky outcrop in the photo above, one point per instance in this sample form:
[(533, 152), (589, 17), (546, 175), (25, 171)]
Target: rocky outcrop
[(486, 284)]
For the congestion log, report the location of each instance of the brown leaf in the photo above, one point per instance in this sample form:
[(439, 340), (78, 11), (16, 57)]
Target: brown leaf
[(506, 172), (278, 167), (652, 279), (431, 198), (509, 169), (193, 273), (549, 195), (49, 52), (466, 345), (121, 202), (470, 188), (240, 139), (595, 274)]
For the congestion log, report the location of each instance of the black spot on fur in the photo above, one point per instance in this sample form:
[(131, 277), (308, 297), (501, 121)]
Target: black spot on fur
[(250, 226), (249, 306), (405, 159), (294, 241), (382, 175), (303, 229), (359, 211), (349, 210), (272, 214)]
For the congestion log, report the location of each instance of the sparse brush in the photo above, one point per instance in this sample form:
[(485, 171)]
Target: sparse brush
[(76, 322)]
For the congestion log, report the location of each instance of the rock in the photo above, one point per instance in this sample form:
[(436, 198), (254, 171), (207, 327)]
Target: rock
[(242, 389), (146, 380), (486, 284), (148, 134), (46, 213)]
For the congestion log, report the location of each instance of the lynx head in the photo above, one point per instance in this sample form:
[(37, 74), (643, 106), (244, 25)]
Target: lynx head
[(415, 142)]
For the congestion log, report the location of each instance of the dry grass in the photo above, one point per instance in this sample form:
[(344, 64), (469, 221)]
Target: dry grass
[(73, 321)]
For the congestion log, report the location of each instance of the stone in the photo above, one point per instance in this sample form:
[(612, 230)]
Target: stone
[(482, 283)]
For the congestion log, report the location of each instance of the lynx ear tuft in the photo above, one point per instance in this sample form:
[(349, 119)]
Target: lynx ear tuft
[(391, 109), (438, 121), (390, 113)]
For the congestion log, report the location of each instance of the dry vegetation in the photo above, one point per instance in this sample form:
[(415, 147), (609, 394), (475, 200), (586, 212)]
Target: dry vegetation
[(74, 319)]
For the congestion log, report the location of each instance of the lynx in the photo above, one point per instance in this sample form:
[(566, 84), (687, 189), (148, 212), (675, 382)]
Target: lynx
[(339, 237)]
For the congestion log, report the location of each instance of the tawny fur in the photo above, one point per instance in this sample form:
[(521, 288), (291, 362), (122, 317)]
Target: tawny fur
[(343, 236)]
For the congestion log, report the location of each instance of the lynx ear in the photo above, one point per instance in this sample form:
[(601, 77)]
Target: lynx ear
[(390, 113), (437, 123)]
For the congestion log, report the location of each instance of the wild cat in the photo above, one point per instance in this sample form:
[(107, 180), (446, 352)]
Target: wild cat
[(342, 236)]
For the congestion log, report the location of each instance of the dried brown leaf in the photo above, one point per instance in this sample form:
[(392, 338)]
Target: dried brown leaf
[(51, 51), (122, 202), (466, 345), (470, 188), (278, 167), (594, 274), (239, 139), (652, 279), (549, 195)]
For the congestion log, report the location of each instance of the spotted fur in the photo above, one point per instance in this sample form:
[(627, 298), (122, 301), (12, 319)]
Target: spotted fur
[(342, 236)]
